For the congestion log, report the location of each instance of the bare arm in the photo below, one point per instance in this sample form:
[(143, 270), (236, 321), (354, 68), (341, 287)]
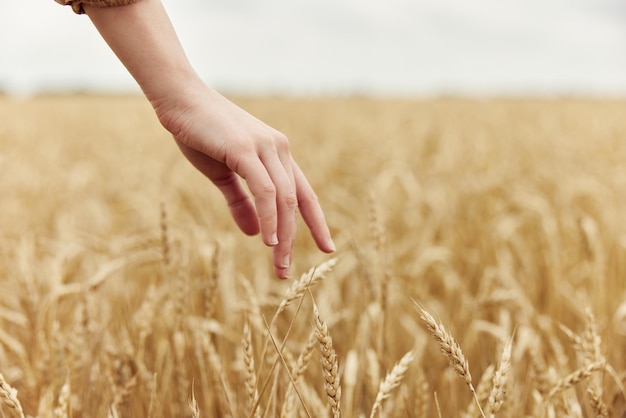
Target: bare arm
[(220, 139)]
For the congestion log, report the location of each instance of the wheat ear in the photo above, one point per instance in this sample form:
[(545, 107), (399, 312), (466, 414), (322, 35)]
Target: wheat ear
[(248, 362), (575, 377), (451, 349), (599, 407), (304, 283), (392, 381), (211, 284), (329, 363), (8, 397), (422, 395), (500, 378), (165, 236)]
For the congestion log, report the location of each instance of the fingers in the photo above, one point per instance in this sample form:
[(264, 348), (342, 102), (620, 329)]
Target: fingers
[(278, 165), (271, 181), (239, 202), (279, 189), (241, 207), (312, 212)]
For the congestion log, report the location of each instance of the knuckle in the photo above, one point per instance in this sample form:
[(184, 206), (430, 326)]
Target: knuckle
[(237, 202), (268, 220), (233, 162), (224, 181), (267, 189), (308, 199), (281, 141), (236, 159), (290, 200)]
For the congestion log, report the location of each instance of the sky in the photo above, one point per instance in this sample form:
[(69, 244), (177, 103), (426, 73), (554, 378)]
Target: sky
[(367, 47)]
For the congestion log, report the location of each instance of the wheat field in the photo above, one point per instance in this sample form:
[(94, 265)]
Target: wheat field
[(480, 271)]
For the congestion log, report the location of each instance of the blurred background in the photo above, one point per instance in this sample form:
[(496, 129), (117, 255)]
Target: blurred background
[(341, 47)]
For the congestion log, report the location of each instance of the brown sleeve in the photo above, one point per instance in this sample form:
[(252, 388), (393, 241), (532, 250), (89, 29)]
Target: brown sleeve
[(77, 5)]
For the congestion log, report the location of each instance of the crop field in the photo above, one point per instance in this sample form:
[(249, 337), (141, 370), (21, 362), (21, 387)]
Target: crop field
[(480, 271)]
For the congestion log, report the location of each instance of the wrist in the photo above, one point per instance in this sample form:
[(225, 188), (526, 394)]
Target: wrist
[(176, 100)]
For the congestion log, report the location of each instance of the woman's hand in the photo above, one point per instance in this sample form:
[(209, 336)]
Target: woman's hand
[(217, 137), (227, 144)]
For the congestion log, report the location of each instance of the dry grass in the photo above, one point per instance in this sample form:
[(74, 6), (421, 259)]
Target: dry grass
[(127, 290)]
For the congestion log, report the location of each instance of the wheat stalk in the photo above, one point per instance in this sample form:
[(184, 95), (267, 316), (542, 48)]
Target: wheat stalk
[(279, 355), (392, 381), (483, 389), (437, 405), (297, 291), (380, 239), (330, 365), (317, 406), (284, 362), (298, 369)]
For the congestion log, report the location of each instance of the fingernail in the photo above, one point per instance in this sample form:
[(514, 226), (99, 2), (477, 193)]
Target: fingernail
[(332, 245), (285, 263), (274, 239)]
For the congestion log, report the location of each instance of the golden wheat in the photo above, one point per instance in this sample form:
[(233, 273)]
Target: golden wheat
[(451, 350), (250, 377), (8, 396), (449, 347), (126, 286), (391, 381), (500, 380), (575, 377), (330, 364)]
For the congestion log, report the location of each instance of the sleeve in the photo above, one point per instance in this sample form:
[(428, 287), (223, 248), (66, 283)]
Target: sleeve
[(77, 5)]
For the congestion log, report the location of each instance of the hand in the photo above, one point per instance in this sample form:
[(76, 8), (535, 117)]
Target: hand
[(227, 144), (220, 139)]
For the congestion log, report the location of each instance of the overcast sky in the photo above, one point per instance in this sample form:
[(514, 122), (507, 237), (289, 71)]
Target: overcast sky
[(411, 47)]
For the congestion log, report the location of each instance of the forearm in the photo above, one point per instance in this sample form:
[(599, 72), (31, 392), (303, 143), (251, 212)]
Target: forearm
[(143, 38)]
